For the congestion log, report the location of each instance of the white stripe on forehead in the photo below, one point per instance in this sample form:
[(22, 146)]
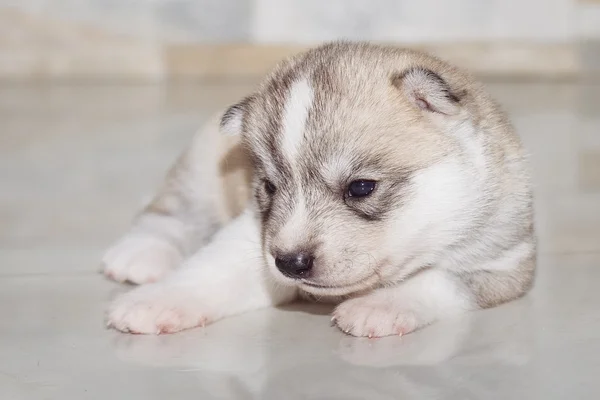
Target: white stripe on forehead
[(298, 103)]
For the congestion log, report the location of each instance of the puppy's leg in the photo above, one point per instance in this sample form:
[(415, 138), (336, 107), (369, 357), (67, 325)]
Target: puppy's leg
[(431, 295), (224, 278), (189, 207)]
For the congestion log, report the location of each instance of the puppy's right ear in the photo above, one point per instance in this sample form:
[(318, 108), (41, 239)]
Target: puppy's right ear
[(232, 120)]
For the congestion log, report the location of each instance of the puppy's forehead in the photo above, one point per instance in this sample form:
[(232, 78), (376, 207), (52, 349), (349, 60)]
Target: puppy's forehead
[(335, 110)]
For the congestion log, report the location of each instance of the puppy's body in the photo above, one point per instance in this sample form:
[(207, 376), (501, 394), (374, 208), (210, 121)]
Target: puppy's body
[(378, 176)]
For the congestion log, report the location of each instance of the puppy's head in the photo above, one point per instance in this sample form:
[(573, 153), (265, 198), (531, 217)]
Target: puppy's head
[(356, 173)]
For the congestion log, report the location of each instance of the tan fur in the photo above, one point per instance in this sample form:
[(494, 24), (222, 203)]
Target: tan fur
[(236, 177), (234, 174), (491, 290)]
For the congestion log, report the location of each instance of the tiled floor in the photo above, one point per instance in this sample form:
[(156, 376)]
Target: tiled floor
[(76, 162)]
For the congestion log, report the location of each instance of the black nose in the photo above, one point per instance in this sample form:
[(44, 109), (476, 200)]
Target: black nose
[(296, 265)]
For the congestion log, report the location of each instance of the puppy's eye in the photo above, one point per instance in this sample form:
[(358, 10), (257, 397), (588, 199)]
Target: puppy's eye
[(269, 187), (361, 188)]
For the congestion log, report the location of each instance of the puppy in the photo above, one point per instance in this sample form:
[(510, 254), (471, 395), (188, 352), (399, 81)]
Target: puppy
[(380, 178)]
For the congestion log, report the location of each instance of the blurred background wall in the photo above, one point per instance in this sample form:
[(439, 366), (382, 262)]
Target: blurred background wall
[(172, 39)]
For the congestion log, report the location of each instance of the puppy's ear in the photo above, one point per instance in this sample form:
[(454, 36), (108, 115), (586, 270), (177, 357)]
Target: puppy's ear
[(232, 119), (428, 91)]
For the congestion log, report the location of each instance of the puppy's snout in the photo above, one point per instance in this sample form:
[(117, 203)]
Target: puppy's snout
[(295, 265)]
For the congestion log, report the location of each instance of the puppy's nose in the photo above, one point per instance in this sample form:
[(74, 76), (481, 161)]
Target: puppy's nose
[(295, 265)]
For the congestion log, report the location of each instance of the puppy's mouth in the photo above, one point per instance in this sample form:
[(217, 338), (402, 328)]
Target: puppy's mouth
[(315, 285), (319, 288)]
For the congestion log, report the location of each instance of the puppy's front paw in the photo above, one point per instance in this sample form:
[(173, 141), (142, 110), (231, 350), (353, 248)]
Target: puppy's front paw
[(140, 258), (373, 317), (156, 309)]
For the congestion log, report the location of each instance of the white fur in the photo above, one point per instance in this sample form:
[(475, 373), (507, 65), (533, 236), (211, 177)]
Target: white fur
[(140, 258), (464, 131), (147, 253), (433, 219), (297, 106), (224, 278), (398, 310)]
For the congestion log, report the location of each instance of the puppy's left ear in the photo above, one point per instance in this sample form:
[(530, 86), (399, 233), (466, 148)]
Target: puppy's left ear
[(233, 118), (428, 91)]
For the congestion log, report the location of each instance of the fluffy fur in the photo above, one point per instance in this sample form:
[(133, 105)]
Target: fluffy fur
[(448, 228)]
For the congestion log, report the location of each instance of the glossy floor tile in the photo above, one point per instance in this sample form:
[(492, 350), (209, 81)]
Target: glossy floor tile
[(75, 164)]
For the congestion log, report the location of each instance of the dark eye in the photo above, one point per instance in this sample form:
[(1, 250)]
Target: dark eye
[(269, 187), (361, 188)]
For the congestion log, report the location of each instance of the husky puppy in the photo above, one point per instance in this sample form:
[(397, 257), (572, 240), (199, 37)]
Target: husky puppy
[(380, 178)]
